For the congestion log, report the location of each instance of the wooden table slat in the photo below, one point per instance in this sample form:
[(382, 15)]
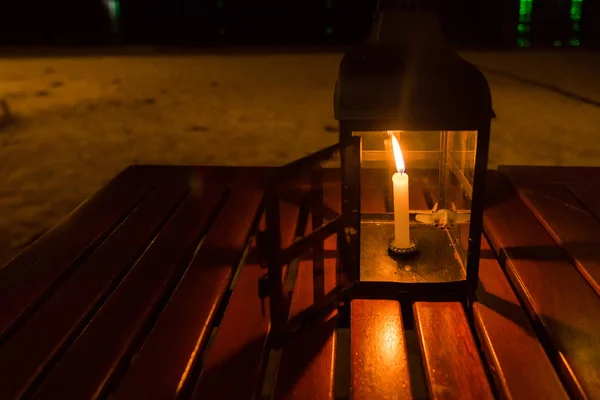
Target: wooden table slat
[(49, 258), (26, 352), (378, 360), (451, 361), (95, 356), (569, 223), (162, 366), (307, 360), (589, 196), (518, 363), (238, 348), (556, 295), (78, 218), (112, 327)]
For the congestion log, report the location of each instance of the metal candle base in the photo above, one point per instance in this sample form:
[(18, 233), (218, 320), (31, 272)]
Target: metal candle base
[(396, 251)]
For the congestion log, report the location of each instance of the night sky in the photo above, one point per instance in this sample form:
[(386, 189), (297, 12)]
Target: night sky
[(467, 23)]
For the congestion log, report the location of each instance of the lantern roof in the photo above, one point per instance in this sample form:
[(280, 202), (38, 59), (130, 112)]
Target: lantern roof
[(407, 75)]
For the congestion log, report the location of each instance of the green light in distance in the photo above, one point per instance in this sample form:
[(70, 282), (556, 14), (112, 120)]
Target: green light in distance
[(575, 21), (523, 28)]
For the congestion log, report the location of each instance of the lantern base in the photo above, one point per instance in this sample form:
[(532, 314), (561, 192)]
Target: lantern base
[(403, 252), (435, 261)]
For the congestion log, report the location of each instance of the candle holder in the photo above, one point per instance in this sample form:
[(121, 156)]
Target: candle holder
[(403, 252)]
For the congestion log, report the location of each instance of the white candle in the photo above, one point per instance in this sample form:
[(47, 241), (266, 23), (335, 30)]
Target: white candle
[(401, 226), (400, 186)]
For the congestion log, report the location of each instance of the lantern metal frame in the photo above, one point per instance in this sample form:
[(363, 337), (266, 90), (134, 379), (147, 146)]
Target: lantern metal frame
[(405, 78), (462, 290), (446, 93)]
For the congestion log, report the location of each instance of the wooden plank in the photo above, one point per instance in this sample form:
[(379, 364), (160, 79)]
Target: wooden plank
[(517, 361), (87, 367), (53, 237), (548, 174), (26, 353), (162, 366), (232, 176), (227, 175), (589, 196), (379, 362), (307, 360), (239, 346), (570, 224), (557, 297), (450, 358), (34, 273)]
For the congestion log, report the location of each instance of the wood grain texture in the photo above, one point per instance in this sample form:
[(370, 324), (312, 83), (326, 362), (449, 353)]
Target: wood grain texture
[(571, 224), (239, 346), (88, 365), (516, 359), (307, 360), (26, 353), (378, 360), (41, 267), (162, 366), (451, 361), (565, 175), (556, 295), (588, 195), (52, 238)]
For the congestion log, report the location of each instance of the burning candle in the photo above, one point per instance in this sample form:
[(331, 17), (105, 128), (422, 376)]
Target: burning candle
[(400, 186)]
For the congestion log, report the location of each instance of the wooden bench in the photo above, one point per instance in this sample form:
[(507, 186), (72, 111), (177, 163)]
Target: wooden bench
[(150, 290)]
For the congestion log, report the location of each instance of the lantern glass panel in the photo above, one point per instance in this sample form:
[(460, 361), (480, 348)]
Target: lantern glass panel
[(440, 167)]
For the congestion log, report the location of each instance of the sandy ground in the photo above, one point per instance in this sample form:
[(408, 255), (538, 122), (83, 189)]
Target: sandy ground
[(80, 120)]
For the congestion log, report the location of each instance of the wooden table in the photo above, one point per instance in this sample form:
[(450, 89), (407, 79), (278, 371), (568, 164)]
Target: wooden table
[(149, 290)]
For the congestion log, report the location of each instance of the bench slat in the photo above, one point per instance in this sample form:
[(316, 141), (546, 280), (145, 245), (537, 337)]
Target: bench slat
[(238, 348), (589, 196), (47, 243), (90, 362), (451, 360), (519, 365), (570, 224), (51, 256), (162, 366), (555, 294), (27, 352), (379, 363), (307, 360)]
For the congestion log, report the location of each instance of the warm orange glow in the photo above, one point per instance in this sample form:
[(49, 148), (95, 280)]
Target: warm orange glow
[(397, 154), (388, 341)]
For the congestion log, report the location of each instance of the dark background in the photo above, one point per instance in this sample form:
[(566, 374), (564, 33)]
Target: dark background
[(484, 24)]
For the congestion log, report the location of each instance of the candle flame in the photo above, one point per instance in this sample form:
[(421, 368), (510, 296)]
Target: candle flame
[(397, 154)]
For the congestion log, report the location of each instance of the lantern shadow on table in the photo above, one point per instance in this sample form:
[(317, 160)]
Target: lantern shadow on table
[(575, 251), (536, 326), (310, 341), (524, 311)]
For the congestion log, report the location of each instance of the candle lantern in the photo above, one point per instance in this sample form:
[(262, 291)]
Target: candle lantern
[(412, 191)]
